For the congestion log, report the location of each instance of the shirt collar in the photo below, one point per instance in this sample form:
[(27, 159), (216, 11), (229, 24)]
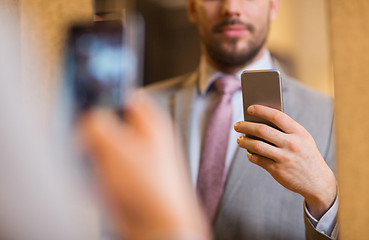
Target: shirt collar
[(208, 74)]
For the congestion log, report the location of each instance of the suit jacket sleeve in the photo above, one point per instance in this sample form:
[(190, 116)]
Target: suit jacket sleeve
[(310, 231)]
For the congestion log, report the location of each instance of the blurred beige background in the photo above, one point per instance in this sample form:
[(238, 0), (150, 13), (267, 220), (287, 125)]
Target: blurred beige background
[(43, 27), (301, 34), (350, 45)]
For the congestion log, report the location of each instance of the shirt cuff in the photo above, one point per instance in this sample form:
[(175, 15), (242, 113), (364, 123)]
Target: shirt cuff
[(328, 222)]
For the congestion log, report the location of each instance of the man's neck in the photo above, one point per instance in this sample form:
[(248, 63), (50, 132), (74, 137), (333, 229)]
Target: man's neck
[(207, 73), (232, 70)]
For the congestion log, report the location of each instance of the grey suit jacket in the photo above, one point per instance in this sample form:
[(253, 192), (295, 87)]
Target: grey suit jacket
[(254, 206)]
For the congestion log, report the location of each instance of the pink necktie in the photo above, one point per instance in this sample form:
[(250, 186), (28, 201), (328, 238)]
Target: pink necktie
[(212, 162)]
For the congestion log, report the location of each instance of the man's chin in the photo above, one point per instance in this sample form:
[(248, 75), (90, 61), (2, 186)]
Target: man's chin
[(234, 57), (234, 52)]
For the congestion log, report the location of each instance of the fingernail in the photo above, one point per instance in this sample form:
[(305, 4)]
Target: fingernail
[(251, 109), (239, 139), (249, 156), (236, 125)]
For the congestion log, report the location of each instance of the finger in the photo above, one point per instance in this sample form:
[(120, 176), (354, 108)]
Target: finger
[(145, 117), (261, 161), (101, 130), (259, 147), (262, 131), (280, 119)]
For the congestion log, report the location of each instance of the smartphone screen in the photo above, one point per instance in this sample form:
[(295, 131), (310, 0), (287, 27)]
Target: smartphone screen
[(100, 66), (262, 87)]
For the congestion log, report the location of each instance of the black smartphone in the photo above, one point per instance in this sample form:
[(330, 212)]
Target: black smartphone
[(100, 67), (262, 87)]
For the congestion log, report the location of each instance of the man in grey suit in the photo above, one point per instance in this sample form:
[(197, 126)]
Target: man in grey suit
[(300, 199)]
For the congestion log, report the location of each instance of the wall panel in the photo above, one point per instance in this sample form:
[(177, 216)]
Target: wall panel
[(43, 31), (350, 46)]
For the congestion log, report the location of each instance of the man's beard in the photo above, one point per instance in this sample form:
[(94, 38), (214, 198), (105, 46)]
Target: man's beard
[(230, 56)]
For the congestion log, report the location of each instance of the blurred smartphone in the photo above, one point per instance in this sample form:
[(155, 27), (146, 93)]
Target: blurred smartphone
[(262, 87), (101, 70), (100, 66)]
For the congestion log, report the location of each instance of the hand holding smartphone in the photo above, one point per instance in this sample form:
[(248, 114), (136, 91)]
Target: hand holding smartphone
[(101, 70), (262, 87)]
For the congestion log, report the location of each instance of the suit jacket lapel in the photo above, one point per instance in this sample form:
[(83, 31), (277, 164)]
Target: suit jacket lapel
[(183, 100), (236, 173)]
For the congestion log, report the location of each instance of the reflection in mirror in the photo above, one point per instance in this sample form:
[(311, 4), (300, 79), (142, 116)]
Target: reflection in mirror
[(233, 37), (298, 38)]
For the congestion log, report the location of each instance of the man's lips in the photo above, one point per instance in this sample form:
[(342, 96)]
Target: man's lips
[(233, 30)]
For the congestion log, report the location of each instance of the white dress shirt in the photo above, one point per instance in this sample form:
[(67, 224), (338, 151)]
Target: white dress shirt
[(202, 107)]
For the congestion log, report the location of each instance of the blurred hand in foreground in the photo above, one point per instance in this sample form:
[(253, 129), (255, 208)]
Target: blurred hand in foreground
[(142, 173)]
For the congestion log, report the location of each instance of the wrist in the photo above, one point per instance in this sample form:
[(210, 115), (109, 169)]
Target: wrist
[(321, 200)]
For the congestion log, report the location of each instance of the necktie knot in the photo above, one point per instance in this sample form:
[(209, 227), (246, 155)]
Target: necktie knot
[(227, 84)]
